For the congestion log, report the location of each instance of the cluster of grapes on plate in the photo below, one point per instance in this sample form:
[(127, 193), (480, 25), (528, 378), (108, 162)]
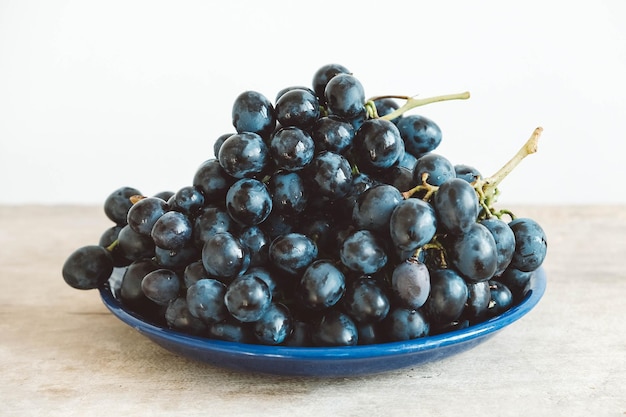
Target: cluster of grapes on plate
[(322, 219)]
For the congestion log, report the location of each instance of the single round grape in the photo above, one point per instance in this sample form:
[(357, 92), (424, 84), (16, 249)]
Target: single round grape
[(323, 75), (292, 252), (412, 224), (330, 175), (267, 275), (501, 298), (410, 281), (473, 253), (161, 286), (87, 267), (478, 298), (505, 242), (531, 244), (291, 148), (248, 202), (244, 155), (447, 298), (297, 107), (438, 168), (456, 204), (144, 213), (420, 134), (366, 301), (374, 207), (322, 285), (467, 173), (211, 219), (335, 329), (188, 200), (172, 230), (274, 326), (332, 133), (406, 324), (178, 317), (363, 252), (133, 245), (211, 179), (118, 203), (205, 300), (289, 193), (377, 145), (224, 256), (253, 112), (247, 298), (345, 96)]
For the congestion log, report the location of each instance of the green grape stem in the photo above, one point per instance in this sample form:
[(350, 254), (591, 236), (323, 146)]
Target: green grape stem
[(113, 245), (412, 102), (487, 188)]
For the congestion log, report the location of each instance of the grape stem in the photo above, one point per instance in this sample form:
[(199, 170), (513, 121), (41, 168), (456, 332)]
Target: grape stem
[(487, 188), (412, 102)]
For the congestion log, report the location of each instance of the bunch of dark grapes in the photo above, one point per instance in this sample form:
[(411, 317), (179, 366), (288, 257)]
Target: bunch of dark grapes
[(321, 219)]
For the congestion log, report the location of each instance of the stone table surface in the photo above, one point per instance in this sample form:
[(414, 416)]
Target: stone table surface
[(63, 354)]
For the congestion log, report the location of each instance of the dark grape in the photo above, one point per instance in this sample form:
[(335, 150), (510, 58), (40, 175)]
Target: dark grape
[(438, 168), (332, 133), (330, 175), (173, 230), (505, 242), (224, 256), (144, 213), (322, 285), (212, 180), (474, 254), (161, 286), (133, 245), (248, 202), (366, 301), (244, 155), (363, 252), (447, 298), (374, 207), (291, 148), (118, 203), (377, 145), (177, 316), (274, 326), (253, 112), (188, 200), (205, 300), (87, 267), (412, 224), (531, 244), (289, 193), (297, 107), (292, 252), (420, 134), (247, 298), (456, 205), (345, 96), (406, 324), (411, 283), (335, 329)]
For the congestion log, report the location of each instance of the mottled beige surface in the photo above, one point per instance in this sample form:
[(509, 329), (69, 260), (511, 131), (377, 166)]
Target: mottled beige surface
[(63, 354)]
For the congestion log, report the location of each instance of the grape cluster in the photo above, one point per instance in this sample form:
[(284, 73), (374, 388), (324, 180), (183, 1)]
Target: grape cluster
[(322, 219)]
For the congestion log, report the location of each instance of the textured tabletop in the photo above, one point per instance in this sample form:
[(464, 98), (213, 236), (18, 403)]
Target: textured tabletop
[(63, 354)]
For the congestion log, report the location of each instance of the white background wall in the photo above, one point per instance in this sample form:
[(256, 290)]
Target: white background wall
[(99, 94)]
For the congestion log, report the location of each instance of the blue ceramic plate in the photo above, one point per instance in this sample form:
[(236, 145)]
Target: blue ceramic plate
[(327, 361)]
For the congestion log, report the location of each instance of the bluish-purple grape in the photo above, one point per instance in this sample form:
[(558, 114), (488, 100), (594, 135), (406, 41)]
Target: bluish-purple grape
[(377, 146), (531, 244), (363, 252), (224, 256), (274, 326), (205, 300), (87, 267), (244, 155), (247, 298), (420, 134), (173, 230), (298, 107), (473, 253), (322, 285), (410, 281), (456, 204), (248, 202), (412, 224), (253, 112), (161, 286), (291, 148)]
